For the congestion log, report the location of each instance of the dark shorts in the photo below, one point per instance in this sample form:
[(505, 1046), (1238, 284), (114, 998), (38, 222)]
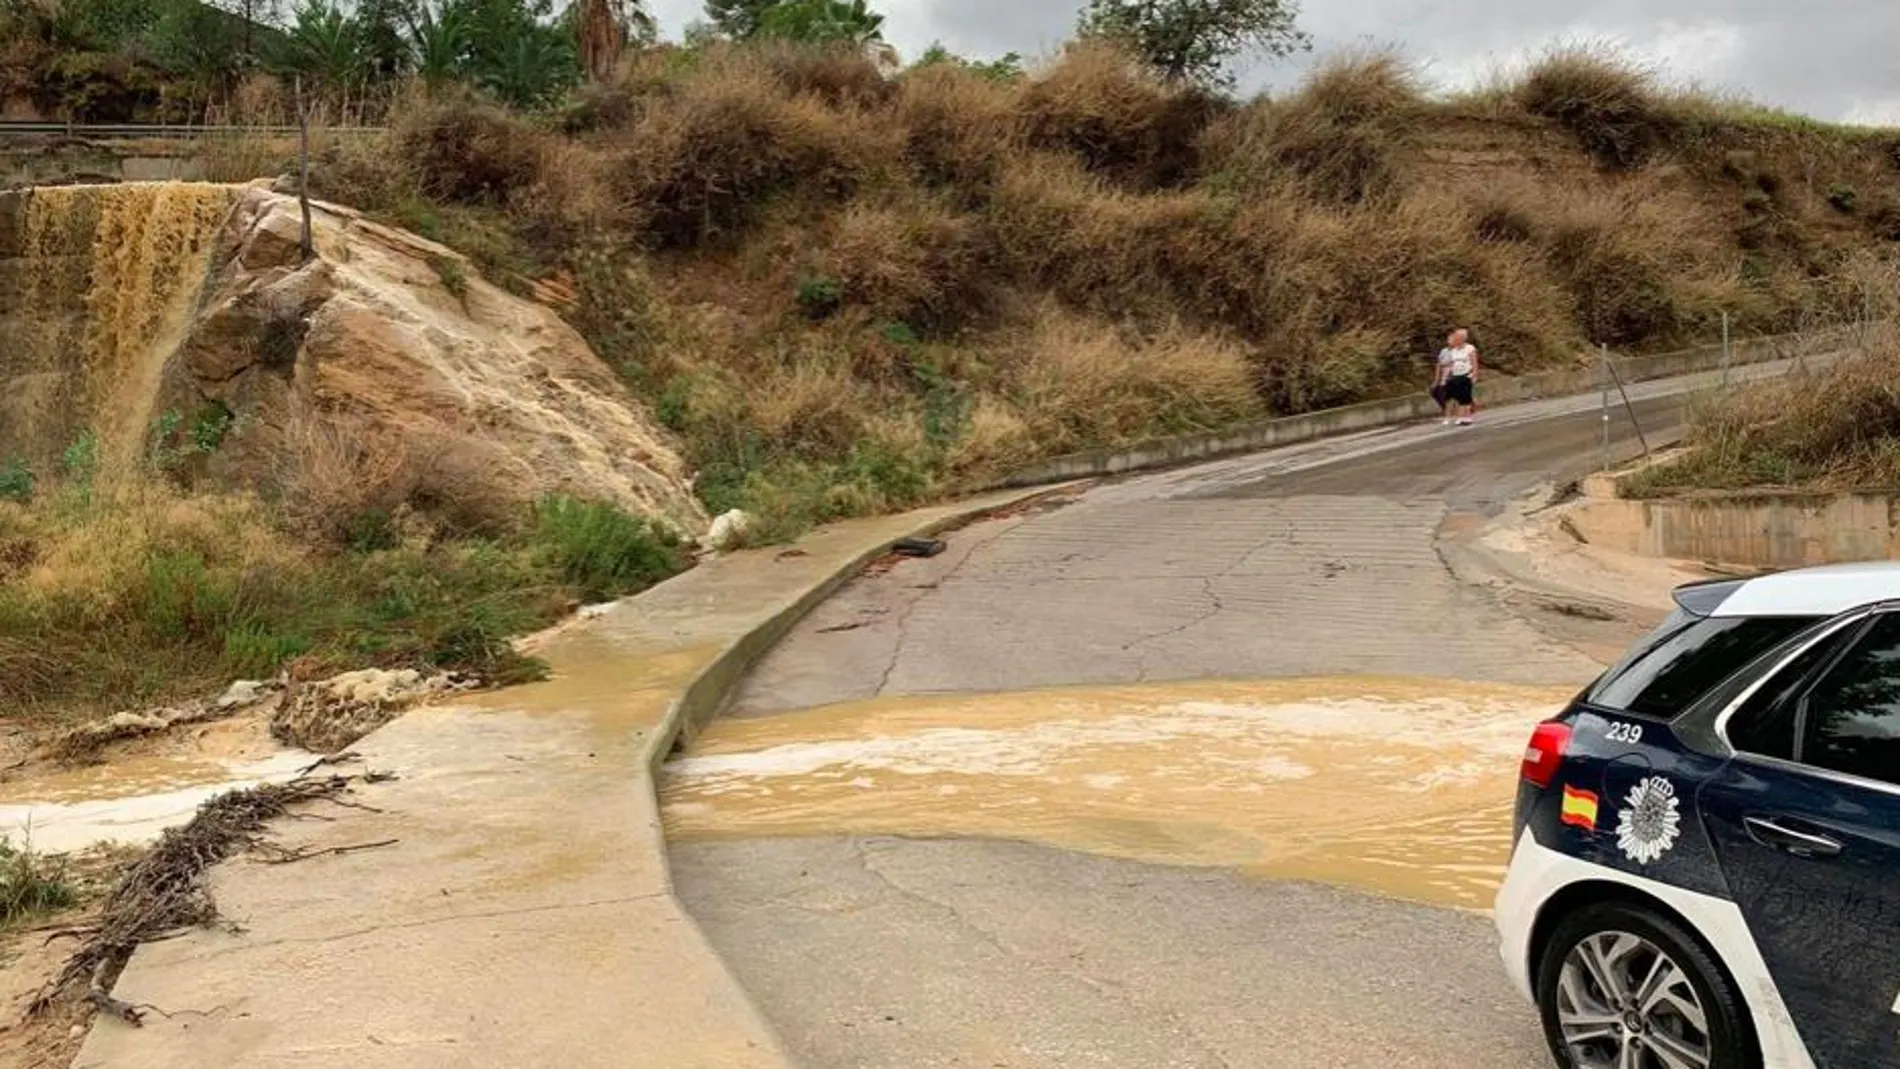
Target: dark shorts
[(1458, 390)]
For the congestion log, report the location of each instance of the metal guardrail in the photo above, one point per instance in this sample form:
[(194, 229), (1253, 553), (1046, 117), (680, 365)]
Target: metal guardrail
[(136, 131)]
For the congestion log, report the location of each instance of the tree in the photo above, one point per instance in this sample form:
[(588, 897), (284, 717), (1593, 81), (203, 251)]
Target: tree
[(325, 46), (380, 25), (737, 19), (823, 22), (202, 47), (604, 28), (1193, 40)]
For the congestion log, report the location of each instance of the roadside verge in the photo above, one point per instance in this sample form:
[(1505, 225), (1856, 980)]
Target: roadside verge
[(1369, 415), (524, 913)]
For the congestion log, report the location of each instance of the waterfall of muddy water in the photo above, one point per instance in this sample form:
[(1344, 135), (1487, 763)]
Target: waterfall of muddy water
[(98, 285), (1399, 786)]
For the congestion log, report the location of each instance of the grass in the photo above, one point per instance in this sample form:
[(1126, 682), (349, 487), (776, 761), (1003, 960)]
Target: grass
[(848, 290), (1831, 430), (134, 593), (32, 885)]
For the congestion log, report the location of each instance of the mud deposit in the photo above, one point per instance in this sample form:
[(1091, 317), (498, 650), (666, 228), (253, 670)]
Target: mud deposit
[(1399, 786)]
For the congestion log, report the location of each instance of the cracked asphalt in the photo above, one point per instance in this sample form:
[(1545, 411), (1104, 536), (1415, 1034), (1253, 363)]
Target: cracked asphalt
[(1316, 560)]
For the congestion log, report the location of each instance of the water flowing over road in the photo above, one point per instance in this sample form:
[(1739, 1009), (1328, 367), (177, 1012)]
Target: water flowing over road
[(974, 813)]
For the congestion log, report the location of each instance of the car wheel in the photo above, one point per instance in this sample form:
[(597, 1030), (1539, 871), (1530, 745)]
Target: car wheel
[(1623, 987)]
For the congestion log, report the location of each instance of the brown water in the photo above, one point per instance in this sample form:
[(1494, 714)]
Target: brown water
[(1400, 786), (131, 800), (97, 288)]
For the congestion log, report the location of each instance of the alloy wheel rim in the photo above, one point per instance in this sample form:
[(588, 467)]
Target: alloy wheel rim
[(1624, 1003)]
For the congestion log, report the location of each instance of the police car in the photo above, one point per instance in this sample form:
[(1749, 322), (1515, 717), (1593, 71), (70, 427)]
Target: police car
[(1706, 873)]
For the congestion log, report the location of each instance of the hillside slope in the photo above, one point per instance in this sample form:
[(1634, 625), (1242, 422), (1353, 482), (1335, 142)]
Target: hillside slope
[(848, 290)]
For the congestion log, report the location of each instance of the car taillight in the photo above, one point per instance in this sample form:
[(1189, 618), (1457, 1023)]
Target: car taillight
[(1546, 752)]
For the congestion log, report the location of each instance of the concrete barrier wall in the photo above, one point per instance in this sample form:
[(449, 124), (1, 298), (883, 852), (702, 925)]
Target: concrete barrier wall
[(1495, 390), (1745, 530)]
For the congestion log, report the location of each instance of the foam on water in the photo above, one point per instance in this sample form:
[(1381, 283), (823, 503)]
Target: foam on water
[(1402, 786)]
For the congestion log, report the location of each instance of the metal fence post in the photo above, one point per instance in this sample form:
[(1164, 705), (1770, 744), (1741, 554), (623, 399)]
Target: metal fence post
[(1610, 365), (1725, 349), (1603, 377)]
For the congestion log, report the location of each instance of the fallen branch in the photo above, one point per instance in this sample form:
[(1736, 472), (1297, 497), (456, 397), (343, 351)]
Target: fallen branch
[(166, 892), (325, 762), (286, 857)]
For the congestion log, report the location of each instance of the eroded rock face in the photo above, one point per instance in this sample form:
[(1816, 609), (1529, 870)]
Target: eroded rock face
[(391, 344), (386, 368)]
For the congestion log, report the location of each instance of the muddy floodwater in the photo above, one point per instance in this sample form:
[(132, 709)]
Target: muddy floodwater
[(1400, 786), (129, 801)]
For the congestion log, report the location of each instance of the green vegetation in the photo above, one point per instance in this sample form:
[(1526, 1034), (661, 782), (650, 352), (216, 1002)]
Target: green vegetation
[(851, 289), (1836, 429), (31, 885), (133, 592), (1194, 40), (850, 286)]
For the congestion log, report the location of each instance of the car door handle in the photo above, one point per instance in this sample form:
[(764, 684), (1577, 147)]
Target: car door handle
[(1799, 843)]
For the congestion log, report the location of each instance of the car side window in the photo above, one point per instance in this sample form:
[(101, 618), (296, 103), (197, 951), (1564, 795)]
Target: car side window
[(1851, 719), (1766, 723), (1671, 674)]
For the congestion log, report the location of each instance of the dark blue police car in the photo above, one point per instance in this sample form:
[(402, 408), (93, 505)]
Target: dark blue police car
[(1706, 872)]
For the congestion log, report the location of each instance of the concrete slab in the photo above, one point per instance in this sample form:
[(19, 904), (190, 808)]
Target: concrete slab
[(523, 914)]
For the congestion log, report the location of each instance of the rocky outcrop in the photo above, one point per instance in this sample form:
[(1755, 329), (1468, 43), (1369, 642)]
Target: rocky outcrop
[(389, 355), (383, 372)]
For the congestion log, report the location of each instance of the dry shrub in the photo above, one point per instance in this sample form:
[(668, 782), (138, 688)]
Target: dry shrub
[(92, 559), (1082, 383), (244, 155), (1345, 133), (331, 479), (995, 439), (837, 74), (467, 152), (1060, 228), (1837, 429), (1121, 120), (809, 407), (913, 260), (959, 127), (702, 160), (572, 199), (1641, 264), (1606, 100), (261, 99)]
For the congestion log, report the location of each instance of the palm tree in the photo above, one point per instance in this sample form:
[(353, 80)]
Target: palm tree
[(824, 22), (439, 44), (325, 46)]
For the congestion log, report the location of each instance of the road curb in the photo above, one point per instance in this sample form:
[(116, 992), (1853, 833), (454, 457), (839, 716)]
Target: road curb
[(699, 701)]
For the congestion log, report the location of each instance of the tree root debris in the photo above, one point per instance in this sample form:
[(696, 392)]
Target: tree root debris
[(165, 892)]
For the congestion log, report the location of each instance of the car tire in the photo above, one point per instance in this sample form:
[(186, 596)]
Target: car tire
[(1730, 1034)]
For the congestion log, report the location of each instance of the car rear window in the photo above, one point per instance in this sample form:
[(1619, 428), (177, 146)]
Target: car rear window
[(1685, 657)]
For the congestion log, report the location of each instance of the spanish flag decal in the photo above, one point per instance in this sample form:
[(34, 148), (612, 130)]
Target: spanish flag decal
[(1580, 808)]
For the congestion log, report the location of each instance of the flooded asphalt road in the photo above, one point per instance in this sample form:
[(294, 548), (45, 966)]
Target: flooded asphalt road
[(854, 862)]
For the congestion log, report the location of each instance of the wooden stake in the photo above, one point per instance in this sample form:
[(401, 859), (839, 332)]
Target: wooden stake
[(303, 172)]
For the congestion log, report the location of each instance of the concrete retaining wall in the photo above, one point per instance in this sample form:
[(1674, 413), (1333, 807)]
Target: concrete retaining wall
[(1745, 530), (1494, 390)]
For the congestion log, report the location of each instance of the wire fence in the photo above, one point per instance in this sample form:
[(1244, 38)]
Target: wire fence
[(1803, 352)]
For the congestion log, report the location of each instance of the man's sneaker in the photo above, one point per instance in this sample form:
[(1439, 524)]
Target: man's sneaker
[(1465, 422)]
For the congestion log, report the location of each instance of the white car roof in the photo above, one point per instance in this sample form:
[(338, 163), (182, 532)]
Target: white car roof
[(1821, 591)]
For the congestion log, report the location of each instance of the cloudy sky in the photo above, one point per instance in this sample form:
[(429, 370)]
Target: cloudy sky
[(1834, 59)]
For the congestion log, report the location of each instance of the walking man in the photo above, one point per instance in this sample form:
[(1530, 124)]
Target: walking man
[(1458, 376)]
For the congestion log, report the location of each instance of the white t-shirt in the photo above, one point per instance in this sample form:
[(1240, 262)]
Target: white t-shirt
[(1457, 361)]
